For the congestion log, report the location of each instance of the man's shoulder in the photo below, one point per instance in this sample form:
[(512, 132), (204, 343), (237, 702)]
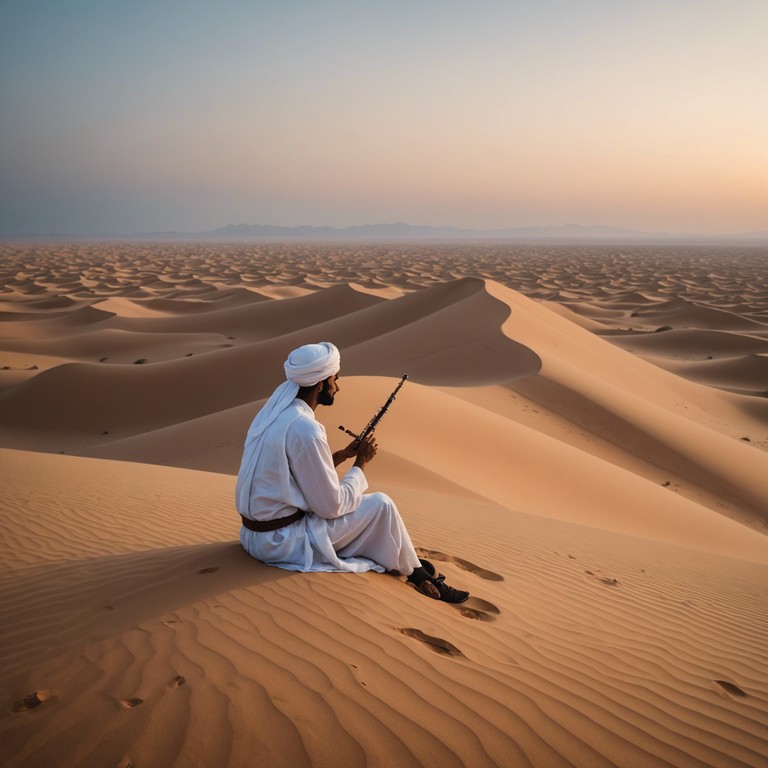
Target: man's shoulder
[(304, 425)]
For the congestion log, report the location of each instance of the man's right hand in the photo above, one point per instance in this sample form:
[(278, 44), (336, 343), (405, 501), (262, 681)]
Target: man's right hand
[(366, 451)]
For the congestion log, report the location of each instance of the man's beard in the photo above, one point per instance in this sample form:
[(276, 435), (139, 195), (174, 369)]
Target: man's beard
[(325, 397)]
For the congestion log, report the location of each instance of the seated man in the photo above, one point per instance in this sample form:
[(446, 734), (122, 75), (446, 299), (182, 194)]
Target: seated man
[(296, 514)]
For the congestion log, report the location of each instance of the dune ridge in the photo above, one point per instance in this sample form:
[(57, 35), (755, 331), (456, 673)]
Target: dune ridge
[(632, 291), (595, 479)]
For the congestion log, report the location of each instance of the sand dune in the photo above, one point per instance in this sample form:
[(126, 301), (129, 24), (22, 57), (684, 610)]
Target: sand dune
[(258, 320), (596, 483), (749, 373), (381, 338), (688, 314), (169, 639), (109, 345), (692, 344)]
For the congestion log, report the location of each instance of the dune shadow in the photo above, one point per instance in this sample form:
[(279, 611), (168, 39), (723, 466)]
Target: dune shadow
[(46, 607)]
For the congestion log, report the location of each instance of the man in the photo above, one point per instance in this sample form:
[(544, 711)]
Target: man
[(296, 514)]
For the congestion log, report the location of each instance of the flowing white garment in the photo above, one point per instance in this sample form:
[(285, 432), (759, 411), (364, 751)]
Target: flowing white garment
[(345, 530), (305, 366)]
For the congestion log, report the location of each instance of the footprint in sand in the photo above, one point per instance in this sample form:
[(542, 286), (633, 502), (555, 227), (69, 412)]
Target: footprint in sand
[(30, 701), (731, 690), (436, 644), (608, 582), (479, 609), (465, 565), (212, 569), (131, 703)]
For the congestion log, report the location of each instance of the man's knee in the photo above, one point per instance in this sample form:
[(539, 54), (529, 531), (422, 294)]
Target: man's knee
[(383, 501), (385, 506)]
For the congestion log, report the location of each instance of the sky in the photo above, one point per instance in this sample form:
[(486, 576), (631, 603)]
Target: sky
[(140, 116)]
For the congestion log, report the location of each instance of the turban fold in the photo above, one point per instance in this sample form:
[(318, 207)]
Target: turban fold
[(311, 363), (305, 367)]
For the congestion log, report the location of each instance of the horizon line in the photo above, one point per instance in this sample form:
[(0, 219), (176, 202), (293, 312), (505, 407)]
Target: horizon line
[(397, 230)]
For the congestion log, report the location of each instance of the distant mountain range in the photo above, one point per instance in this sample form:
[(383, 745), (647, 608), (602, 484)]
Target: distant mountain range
[(402, 231), (409, 232)]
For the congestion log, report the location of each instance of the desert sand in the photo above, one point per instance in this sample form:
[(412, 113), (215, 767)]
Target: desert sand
[(582, 443)]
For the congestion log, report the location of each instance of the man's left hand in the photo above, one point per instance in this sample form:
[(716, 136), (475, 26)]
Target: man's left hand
[(345, 453)]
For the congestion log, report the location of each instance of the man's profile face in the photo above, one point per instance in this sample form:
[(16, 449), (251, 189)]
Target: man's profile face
[(329, 390)]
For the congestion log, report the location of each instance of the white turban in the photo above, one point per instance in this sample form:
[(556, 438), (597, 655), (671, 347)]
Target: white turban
[(305, 367), (312, 363)]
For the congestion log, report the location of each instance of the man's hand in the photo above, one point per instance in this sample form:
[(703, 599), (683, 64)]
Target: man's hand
[(345, 453), (366, 450)]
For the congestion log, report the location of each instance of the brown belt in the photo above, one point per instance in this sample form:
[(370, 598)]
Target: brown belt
[(262, 526)]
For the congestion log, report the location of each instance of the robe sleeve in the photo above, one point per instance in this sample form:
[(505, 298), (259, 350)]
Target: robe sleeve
[(327, 497)]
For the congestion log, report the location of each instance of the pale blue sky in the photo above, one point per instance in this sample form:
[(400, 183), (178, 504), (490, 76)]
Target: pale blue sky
[(191, 115)]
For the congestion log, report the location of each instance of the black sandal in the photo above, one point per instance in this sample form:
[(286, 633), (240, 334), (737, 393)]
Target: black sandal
[(428, 588), (431, 570), (435, 586), (449, 594)]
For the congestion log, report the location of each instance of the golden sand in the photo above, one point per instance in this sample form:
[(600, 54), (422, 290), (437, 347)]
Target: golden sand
[(583, 444)]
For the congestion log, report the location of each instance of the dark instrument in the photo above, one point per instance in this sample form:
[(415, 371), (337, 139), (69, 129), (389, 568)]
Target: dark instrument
[(373, 423)]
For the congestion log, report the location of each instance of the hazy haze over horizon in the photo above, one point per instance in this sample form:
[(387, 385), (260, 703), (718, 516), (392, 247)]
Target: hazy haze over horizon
[(192, 115)]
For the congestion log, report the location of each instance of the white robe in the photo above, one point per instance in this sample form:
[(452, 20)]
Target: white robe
[(346, 529)]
